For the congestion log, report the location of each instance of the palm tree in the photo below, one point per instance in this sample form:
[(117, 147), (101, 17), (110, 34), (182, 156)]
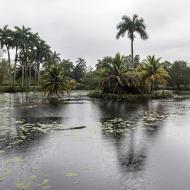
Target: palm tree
[(17, 42), (68, 67), (132, 26), (151, 71), (69, 86), (56, 57), (54, 81), (79, 71), (81, 61), (30, 52), (6, 39), (115, 74), (24, 34), (43, 55)]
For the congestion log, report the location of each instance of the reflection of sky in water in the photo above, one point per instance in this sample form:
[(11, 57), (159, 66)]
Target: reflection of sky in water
[(152, 154)]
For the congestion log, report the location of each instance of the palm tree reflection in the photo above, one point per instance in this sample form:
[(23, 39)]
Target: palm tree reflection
[(130, 149), (132, 156)]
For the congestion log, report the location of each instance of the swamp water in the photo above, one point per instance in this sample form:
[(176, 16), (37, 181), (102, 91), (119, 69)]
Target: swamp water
[(107, 145)]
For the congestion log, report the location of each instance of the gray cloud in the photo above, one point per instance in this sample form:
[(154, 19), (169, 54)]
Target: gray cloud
[(87, 28)]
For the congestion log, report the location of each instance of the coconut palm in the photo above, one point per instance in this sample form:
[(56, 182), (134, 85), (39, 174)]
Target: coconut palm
[(116, 75), (54, 81), (151, 71), (131, 26), (69, 86)]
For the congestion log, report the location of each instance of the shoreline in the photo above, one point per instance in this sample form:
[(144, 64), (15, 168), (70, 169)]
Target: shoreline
[(131, 97)]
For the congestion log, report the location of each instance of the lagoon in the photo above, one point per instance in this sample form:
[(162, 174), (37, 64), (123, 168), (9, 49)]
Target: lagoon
[(151, 152)]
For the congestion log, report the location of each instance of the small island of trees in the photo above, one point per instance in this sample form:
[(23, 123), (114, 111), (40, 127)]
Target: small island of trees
[(28, 63)]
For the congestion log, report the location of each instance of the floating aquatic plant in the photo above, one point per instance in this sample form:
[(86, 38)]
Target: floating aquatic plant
[(71, 174), (45, 184), (153, 118), (117, 125), (23, 185)]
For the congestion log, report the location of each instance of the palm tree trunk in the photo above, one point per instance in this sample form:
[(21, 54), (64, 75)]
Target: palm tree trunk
[(132, 51), (38, 75), (9, 61), (22, 77), (30, 74), (35, 74), (14, 78), (25, 77)]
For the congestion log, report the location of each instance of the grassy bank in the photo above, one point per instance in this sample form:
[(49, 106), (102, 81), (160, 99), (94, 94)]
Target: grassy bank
[(131, 97)]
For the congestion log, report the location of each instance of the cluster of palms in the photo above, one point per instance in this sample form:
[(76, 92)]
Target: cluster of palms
[(121, 74), (117, 76), (62, 75), (26, 52)]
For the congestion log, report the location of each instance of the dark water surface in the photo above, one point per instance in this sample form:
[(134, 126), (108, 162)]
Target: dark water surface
[(152, 153)]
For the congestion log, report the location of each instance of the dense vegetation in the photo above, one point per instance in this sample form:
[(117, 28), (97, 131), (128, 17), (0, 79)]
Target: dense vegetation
[(27, 63)]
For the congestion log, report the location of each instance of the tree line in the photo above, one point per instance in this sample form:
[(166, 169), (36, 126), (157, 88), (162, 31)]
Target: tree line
[(30, 61), (25, 56)]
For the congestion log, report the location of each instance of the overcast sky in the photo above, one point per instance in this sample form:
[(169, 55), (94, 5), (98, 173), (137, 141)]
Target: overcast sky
[(87, 28)]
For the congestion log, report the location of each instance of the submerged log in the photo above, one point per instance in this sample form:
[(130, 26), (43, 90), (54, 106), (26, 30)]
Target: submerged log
[(71, 128)]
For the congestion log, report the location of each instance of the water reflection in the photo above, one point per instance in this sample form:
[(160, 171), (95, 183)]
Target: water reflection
[(131, 147), (123, 159), (131, 156)]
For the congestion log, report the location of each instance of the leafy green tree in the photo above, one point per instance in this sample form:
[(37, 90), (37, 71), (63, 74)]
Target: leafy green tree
[(131, 26), (91, 80), (167, 65), (180, 75)]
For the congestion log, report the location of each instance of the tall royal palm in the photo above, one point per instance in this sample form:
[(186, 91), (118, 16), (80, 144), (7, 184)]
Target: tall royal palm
[(131, 26), (16, 46), (43, 54), (24, 34), (6, 40)]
